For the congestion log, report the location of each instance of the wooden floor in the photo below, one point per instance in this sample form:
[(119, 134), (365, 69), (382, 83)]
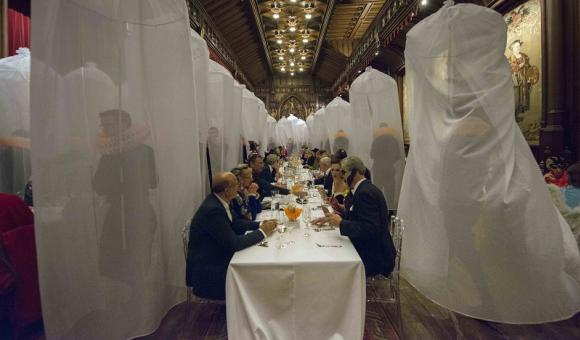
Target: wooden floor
[(421, 319)]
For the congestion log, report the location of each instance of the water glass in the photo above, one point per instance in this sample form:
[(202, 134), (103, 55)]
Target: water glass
[(275, 207), (306, 216)]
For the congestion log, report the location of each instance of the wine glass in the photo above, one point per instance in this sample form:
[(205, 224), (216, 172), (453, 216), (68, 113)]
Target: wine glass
[(306, 216)]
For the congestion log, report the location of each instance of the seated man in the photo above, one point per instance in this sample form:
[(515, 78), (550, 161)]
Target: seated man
[(366, 221), (262, 178), (325, 177), (214, 237)]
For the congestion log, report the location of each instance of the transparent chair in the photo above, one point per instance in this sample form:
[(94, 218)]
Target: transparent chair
[(376, 284)]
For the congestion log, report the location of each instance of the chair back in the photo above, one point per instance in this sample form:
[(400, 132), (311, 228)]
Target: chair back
[(185, 237), (396, 229)]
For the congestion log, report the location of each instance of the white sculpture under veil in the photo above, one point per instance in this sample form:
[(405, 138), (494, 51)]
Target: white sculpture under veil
[(15, 121), (483, 237), (378, 141), (337, 117), (113, 126)]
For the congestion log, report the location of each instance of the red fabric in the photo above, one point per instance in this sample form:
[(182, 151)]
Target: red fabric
[(13, 213), (18, 25), (561, 182), (20, 249)]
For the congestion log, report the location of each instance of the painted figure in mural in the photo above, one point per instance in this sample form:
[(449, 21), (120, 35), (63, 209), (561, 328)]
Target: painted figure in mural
[(524, 76)]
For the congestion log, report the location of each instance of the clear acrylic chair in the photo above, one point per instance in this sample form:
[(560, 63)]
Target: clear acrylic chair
[(376, 284), (396, 228)]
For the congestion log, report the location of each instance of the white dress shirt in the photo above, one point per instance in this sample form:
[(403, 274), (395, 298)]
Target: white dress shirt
[(229, 212)]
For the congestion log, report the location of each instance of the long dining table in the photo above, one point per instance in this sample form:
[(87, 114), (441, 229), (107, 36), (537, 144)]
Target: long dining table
[(297, 286)]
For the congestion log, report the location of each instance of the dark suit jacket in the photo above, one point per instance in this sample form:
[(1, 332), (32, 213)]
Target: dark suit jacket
[(328, 180), (213, 240), (265, 183), (367, 227)]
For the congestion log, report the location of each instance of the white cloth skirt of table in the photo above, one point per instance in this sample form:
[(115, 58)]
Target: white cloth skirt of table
[(299, 292)]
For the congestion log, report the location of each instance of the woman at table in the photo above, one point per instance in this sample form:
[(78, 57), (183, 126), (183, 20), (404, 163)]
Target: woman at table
[(339, 187), (246, 204)]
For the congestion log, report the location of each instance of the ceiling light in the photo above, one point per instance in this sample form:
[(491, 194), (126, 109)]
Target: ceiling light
[(291, 50), (292, 29), (291, 63), (377, 53), (283, 69), (308, 16), (292, 0), (291, 73), (424, 2), (305, 40), (276, 16), (301, 69), (280, 58), (279, 41), (303, 57)]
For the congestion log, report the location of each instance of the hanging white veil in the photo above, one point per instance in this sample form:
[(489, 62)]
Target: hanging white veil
[(378, 141), (113, 125), (15, 121), (483, 237), (200, 53), (337, 117)]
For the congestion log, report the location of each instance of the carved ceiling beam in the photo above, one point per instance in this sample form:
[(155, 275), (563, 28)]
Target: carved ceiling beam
[(360, 20), (392, 17), (323, 28), (201, 22), (261, 32)]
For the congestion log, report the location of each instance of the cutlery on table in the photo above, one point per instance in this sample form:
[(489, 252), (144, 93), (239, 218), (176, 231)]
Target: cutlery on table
[(329, 245)]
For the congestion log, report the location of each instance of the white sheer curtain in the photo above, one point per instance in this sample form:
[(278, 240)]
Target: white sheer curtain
[(271, 135), (200, 53), (321, 136), (15, 122), (113, 126), (483, 237), (337, 117), (378, 141), (225, 119)]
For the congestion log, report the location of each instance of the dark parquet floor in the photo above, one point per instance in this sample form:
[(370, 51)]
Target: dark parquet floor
[(421, 319)]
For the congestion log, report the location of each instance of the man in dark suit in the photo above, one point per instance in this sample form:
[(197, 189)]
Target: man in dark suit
[(325, 177), (366, 221), (215, 235), (263, 178)]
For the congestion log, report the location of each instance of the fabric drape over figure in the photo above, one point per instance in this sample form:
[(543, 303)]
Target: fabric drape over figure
[(15, 122), (337, 118), (224, 104), (378, 141), (483, 237), (114, 123), (200, 54)]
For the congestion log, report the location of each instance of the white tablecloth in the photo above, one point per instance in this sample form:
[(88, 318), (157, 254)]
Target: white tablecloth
[(300, 292)]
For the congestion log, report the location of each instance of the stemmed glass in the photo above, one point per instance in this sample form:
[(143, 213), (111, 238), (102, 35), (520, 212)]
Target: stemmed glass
[(282, 229), (306, 216)]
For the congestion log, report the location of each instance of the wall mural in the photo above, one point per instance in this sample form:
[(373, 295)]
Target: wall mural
[(524, 53), (292, 105)]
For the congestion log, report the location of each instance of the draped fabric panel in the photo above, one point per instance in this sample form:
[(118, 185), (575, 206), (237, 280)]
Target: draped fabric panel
[(337, 117), (378, 140), (200, 53), (18, 17), (482, 235), (15, 122), (113, 123)]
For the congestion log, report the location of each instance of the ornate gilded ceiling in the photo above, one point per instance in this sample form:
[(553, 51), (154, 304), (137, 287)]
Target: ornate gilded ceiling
[(292, 29)]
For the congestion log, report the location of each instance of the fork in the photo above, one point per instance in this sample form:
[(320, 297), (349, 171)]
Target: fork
[(328, 245)]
